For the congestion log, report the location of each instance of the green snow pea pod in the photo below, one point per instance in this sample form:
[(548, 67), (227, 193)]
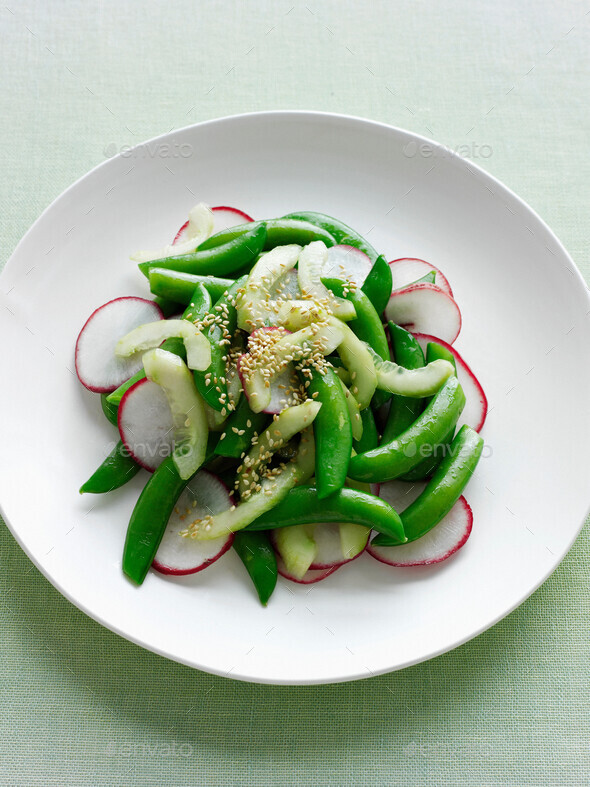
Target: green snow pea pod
[(256, 553), (239, 430), (168, 306), (279, 232), (218, 261), (341, 232), (378, 284), (444, 489), (428, 465), (118, 468), (302, 506), (109, 409), (212, 383), (332, 431), (400, 455), (149, 519), (179, 287), (367, 326), (370, 438), (404, 409)]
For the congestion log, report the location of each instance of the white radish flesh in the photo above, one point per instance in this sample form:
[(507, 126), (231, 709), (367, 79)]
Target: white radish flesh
[(146, 425), (97, 366), (437, 545), (407, 270), (425, 308), (332, 549), (346, 262), (476, 404), (204, 495)]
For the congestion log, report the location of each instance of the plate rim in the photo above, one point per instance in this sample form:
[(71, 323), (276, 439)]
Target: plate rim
[(313, 115)]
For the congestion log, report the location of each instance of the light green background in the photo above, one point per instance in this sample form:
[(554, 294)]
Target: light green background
[(81, 706)]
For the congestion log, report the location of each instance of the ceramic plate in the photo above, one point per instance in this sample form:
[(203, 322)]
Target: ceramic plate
[(526, 333)]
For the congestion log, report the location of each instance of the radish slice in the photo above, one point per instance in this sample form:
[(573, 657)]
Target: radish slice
[(407, 270), (440, 543), (476, 405), (145, 424), (346, 262), (425, 308), (309, 578), (97, 366), (328, 540), (204, 495), (223, 217)]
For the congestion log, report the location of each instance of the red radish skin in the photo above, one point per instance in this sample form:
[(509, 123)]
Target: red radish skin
[(97, 366), (205, 494), (425, 308), (439, 544), (407, 270), (323, 566), (309, 578), (347, 262), (476, 406), (223, 216), (145, 424)]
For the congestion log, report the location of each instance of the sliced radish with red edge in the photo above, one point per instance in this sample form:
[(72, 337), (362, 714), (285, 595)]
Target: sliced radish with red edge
[(145, 424), (224, 217), (97, 366), (204, 495), (425, 308), (329, 547), (437, 545), (476, 405), (346, 262), (407, 270)]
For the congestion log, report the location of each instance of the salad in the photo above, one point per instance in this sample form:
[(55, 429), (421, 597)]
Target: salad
[(294, 396)]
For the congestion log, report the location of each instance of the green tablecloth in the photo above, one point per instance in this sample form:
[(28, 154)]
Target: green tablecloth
[(505, 84)]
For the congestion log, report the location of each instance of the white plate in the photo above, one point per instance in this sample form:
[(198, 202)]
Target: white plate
[(526, 333)]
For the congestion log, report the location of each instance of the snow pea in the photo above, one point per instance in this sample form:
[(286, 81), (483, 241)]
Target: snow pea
[(279, 232), (403, 453), (332, 431), (302, 505), (109, 409), (217, 261), (370, 438), (180, 287), (444, 489), (168, 307), (341, 232), (378, 284), (239, 430), (118, 468), (149, 519), (404, 409), (256, 553), (428, 465), (212, 383), (367, 326)]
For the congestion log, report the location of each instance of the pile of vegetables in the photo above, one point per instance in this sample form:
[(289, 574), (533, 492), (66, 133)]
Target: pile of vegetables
[(293, 395)]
